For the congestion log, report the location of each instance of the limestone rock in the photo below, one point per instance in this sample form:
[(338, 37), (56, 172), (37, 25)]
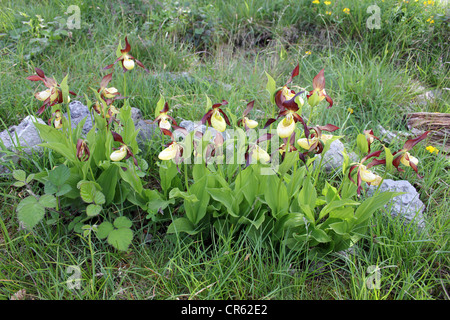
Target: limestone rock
[(407, 206)]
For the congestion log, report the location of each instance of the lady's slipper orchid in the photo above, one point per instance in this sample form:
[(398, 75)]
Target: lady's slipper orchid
[(57, 118), (108, 94), (216, 117), (318, 93), (248, 123), (404, 157), (124, 152), (118, 155), (50, 96), (317, 140), (82, 150), (163, 118), (363, 174), (126, 59), (173, 150), (370, 137), (254, 151)]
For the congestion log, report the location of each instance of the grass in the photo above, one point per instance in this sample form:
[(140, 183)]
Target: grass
[(226, 48)]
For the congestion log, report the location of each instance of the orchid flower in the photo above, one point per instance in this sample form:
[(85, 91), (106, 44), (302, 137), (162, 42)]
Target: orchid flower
[(317, 139), (254, 151), (108, 94), (363, 174), (404, 157), (173, 150), (370, 137), (216, 117), (82, 150), (318, 93), (52, 95), (288, 102), (126, 59), (122, 153), (248, 123), (163, 118), (57, 118)]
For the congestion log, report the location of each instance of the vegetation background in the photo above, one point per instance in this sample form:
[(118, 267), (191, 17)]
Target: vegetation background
[(223, 48)]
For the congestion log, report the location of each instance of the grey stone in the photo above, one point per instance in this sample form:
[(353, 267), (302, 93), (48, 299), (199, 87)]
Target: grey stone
[(334, 157), (21, 138), (147, 131), (407, 206), (79, 111)]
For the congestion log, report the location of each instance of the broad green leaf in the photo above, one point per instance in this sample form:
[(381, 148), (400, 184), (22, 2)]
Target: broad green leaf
[(336, 204), (308, 194), (339, 227), (167, 172), (372, 204), (87, 191), (195, 211), (176, 193), (361, 142), (50, 188), (30, 178), (48, 201), (320, 236), (93, 210), (49, 134), (226, 198), (60, 148), (65, 188), (108, 181), (59, 175), (182, 225), (122, 222), (345, 213), (129, 175), (18, 184), (159, 105), (120, 238), (99, 197), (19, 175), (104, 229), (271, 87), (65, 89), (30, 212), (208, 103), (389, 158)]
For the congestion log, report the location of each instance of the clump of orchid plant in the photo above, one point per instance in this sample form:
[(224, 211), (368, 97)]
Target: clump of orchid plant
[(52, 95), (216, 117)]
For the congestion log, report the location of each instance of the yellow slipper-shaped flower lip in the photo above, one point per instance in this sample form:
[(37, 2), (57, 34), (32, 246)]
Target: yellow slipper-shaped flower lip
[(118, 155), (260, 154), (169, 153), (286, 127)]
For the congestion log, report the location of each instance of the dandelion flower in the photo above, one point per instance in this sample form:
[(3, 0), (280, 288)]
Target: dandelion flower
[(346, 10)]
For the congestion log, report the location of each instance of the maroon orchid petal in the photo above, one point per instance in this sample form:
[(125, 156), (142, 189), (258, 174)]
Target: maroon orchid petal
[(279, 99), (291, 104), (328, 127), (165, 109), (207, 116), (41, 109), (34, 78), (371, 155), (172, 119), (359, 180), (127, 46), (168, 133), (409, 144), (269, 122), (319, 80), (225, 117), (350, 172), (105, 80), (264, 137), (396, 162), (376, 162), (39, 72), (295, 73), (249, 108), (141, 65), (181, 130), (117, 137), (217, 105), (329, 100)]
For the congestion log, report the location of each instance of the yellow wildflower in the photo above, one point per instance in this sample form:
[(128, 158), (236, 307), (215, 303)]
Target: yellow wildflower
[(308, 52), (316, 1), (327, 3), (328, 13), (346, 10), (432, 149), (350, 110)]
